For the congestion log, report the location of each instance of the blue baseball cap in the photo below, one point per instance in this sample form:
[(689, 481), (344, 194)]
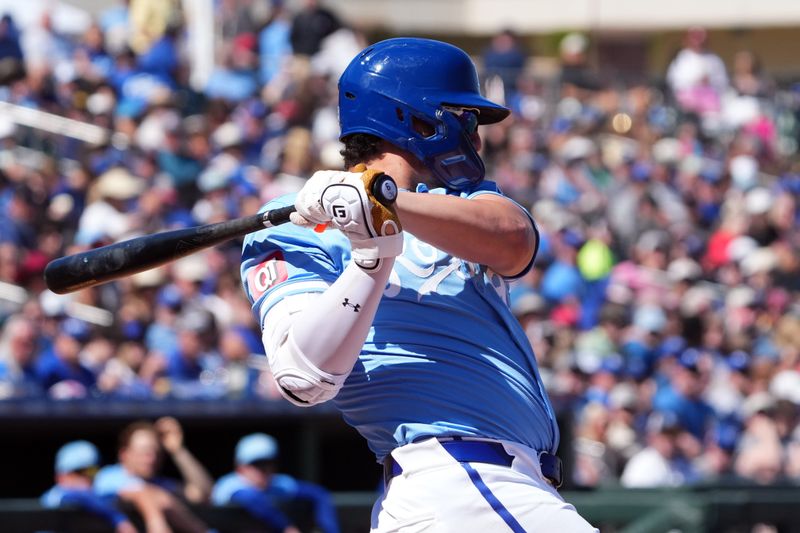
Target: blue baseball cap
[(256, 447), (75, 328), (76, 455), (739, 360), (690, 358), (672, 346)]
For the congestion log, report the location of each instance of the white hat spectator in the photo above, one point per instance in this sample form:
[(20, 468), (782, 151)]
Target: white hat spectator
[(227, 135), (739, 297), (696, 300), (785, 385), (649, 318), (758, 201), (191, 268), (119, 183), (757, 403), (577, 148), (744, 171), (758, 261), (741, 247), (623, 396), (684, 269), (667, 151), (573, 44)]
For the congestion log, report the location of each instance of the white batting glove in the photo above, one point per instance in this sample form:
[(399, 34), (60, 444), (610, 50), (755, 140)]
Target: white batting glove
[(344, 201)]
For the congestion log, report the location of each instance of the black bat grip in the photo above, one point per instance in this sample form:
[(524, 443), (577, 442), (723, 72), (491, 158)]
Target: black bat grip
[(384, 189)]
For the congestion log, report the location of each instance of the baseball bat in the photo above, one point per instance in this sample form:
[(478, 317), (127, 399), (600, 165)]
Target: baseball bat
[(107, 263)]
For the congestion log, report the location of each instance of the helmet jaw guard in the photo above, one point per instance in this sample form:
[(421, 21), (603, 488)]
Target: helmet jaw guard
[(450, 153), (389, 85)]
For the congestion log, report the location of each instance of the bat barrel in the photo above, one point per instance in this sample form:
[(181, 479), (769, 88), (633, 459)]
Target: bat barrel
[(126, 258)]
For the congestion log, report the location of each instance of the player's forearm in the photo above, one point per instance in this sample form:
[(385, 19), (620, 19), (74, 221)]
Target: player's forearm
[(332, 331), (489, 229)]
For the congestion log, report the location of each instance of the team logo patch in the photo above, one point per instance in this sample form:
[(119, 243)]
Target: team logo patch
[(267, 274)]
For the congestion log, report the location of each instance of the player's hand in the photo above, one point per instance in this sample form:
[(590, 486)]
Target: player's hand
[(344, 200), (170, 433)]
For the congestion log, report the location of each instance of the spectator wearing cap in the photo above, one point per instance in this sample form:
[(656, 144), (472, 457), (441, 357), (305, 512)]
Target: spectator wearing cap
[(662, 463), (192, 368), (136, 479), (505, 58), (108, 212), (595, 462), (256, 485), (75, 466), (715, 464), (730, 383), (236, 345), (760, 452), (18, 218), (122, 377), (562, 280), (161, 334), (683, 394), (18, 352), (61, 364), (530, 310)]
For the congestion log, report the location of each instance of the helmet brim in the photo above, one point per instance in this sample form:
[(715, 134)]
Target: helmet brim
[(490, 113)]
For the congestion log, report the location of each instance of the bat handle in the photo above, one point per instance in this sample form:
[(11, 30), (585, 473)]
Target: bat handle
[(384, 189), (278, 216)]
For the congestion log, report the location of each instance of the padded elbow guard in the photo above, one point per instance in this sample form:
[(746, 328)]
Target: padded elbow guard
[(299, 380)]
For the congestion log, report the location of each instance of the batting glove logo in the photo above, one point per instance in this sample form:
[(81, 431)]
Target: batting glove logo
[(339, 211)]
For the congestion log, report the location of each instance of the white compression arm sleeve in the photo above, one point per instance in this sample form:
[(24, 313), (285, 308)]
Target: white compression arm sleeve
[(332, 331), (313, 340)]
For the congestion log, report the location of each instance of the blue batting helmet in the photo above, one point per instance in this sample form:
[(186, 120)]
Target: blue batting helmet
[(412, 92)]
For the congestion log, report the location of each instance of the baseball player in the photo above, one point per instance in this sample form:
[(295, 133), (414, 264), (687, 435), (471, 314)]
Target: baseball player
[(257, 486), (399, 313), (75, 466)]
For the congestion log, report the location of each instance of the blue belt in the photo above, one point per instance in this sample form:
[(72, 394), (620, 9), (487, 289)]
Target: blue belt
[(475, 451)]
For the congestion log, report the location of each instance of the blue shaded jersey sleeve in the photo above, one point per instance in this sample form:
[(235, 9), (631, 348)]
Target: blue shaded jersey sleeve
[(286, 259), (491, 187)]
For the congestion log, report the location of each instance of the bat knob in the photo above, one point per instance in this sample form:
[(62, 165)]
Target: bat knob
[(384, 189)]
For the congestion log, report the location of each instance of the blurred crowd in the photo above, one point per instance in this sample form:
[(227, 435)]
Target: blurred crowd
[(662, 306)]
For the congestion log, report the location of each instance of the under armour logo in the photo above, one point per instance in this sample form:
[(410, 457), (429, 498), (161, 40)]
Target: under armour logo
[(346, 303), (339, 211)]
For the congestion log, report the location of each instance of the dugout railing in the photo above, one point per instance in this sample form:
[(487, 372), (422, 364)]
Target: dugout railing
[(717, 509)]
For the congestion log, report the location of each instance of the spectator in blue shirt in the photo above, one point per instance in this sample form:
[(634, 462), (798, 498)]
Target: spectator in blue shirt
[(62, 362), (256, 486), (75, 466)]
